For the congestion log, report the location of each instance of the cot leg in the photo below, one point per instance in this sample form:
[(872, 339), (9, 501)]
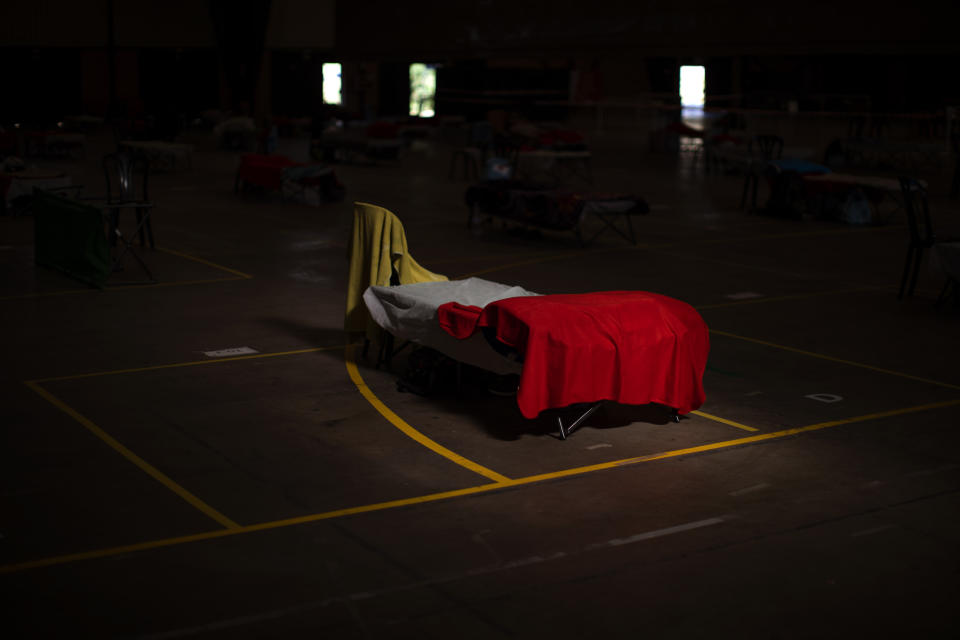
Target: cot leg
[(917, 257), (944, 293), (906, 272), (565, 431), (579, 234), (386, 351)]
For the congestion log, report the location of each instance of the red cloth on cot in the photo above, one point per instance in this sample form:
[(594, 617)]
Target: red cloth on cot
[(631, 347), (264, 170)]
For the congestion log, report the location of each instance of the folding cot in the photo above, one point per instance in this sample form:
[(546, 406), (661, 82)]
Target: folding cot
[(302, 182), (545, 207), (631, 347)]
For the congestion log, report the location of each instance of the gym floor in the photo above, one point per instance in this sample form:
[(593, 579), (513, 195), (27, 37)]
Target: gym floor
[(152, 491)]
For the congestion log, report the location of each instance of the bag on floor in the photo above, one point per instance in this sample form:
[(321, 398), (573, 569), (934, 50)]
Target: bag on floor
[(856, 209)]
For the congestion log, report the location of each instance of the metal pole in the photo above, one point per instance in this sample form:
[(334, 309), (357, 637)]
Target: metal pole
[(111, 61)]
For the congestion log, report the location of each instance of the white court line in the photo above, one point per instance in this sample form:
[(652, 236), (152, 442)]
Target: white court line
[(659, 533), (869, 532), (274, 614), (228, 353), (756, 487)]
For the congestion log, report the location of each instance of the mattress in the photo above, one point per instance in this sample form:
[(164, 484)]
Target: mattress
[(409, 312)]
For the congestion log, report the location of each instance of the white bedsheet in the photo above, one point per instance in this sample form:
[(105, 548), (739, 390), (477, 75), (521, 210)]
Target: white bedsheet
[(409, 312)]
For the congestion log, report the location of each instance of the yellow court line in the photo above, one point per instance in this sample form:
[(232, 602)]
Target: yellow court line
[(839, 360), (726, 444), (190, 363), (145, 466), (446, 495), (263, 526), (724, 421), (176, 283), (206, 262), (239, 275), (399, 423)]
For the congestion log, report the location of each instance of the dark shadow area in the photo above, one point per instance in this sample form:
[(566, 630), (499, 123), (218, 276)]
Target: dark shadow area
[(479, 397)]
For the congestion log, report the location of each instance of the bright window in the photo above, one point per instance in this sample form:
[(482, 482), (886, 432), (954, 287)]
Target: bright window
[(692, 85), (423, 90), (332, 83)]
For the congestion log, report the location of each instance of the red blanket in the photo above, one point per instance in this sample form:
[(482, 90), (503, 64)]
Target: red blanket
[(264, 170), (631, 347)]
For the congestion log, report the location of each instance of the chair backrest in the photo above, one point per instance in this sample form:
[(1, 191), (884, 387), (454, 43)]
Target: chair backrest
[(378, 255), (770, 146), (127, 177), (481, 135), (918, 212), (855, 127)]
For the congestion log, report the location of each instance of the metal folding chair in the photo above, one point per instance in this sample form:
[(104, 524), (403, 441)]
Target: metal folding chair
[(127, 179), (922, 235)]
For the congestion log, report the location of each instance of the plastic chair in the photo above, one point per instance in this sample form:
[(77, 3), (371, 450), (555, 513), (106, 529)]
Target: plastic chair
[(770, 148), (922, 235)]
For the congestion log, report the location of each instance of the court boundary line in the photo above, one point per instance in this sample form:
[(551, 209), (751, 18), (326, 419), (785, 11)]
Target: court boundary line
[(187, 363), (406, 428), (209, 263), (132, 457), (376, 403), (455, 493), (497, 484), (821, 356), (126, 452), (235, 275), (731, 423)]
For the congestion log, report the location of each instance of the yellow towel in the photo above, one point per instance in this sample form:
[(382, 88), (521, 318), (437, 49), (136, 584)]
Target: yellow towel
[(377, 249)]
